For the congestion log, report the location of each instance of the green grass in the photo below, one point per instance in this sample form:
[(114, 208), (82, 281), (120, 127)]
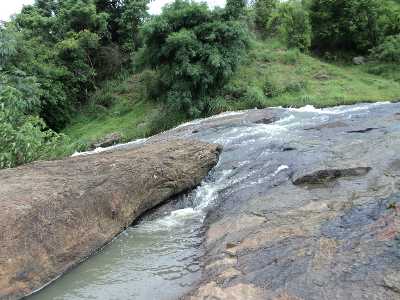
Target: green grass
[(119, 106), (290, 78), (271, 75)]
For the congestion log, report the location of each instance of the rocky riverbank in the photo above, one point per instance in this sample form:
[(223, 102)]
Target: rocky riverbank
[(55, 214), (303, 204), (324, 225), (309, 205)]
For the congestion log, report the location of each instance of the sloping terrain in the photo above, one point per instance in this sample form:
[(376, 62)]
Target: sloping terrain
[(271, 75)]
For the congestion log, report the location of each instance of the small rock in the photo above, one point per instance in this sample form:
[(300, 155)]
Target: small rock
[(392, 281), (322, 76), (359, 60), (108, 140), (267, 120), (326, 175)]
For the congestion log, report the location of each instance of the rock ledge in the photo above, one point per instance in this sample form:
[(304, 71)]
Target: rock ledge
[(55, 214)]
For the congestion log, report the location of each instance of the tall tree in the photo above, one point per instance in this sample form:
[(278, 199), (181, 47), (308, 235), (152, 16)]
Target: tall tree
[(195, 50), (345, 24)]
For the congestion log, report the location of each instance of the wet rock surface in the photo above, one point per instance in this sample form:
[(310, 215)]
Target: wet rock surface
[(308, 206), (303, 204), (107, 141), (54, 214), (328, 175)]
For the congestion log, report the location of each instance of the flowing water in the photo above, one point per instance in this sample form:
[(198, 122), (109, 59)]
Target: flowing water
[(159, 257)]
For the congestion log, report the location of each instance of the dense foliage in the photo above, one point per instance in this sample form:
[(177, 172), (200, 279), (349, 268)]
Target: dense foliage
[(350, 24), (71, 45), (388, 50), (263, 12), (195, 51), (23, 135), (353, 26), (290, 20), (52, 55)]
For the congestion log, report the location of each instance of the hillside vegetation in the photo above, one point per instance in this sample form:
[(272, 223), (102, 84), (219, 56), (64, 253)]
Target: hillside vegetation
[(271, 75), (74, 71)]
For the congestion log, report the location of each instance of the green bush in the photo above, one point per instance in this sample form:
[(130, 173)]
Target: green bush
[(166, 119), (351, 25), (235, 8), (152, 84), (296, 25), (388, 51), (295, 86), (263, 11), (105, 99), (234, 91), (254, 97), (29, 141), (218, 105), (271, 89), (389, 18), (291, 22), (23, 138), (195, 50), (291, 57)]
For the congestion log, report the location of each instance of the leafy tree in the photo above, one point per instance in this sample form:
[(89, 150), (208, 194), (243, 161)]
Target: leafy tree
[(264, 10), (125, 18), (80, 15), (296, 26), (195, 50), (23, 135), (71, 45), (235, 8), (77, 54), (389, 18), (388, 51), (345, 24), (52, 55), (289, 21), (132, 17)]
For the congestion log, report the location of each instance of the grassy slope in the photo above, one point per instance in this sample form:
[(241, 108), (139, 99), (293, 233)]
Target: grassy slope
[(279, 77), (128, 113), (289, 78)]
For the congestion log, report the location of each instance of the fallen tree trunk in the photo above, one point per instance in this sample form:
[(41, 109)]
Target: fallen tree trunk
[(55, 214)]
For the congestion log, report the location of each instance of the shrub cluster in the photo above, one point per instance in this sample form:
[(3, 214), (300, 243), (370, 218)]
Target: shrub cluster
[(288, 20), (52, 55), (354, 26), (195, 51), (388, 50)]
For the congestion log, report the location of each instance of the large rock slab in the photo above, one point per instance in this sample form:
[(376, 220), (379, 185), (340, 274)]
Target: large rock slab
[(55, 214), (309, 207)]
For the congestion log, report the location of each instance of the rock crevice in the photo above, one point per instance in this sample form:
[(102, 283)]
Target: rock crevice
[(327, 175)]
